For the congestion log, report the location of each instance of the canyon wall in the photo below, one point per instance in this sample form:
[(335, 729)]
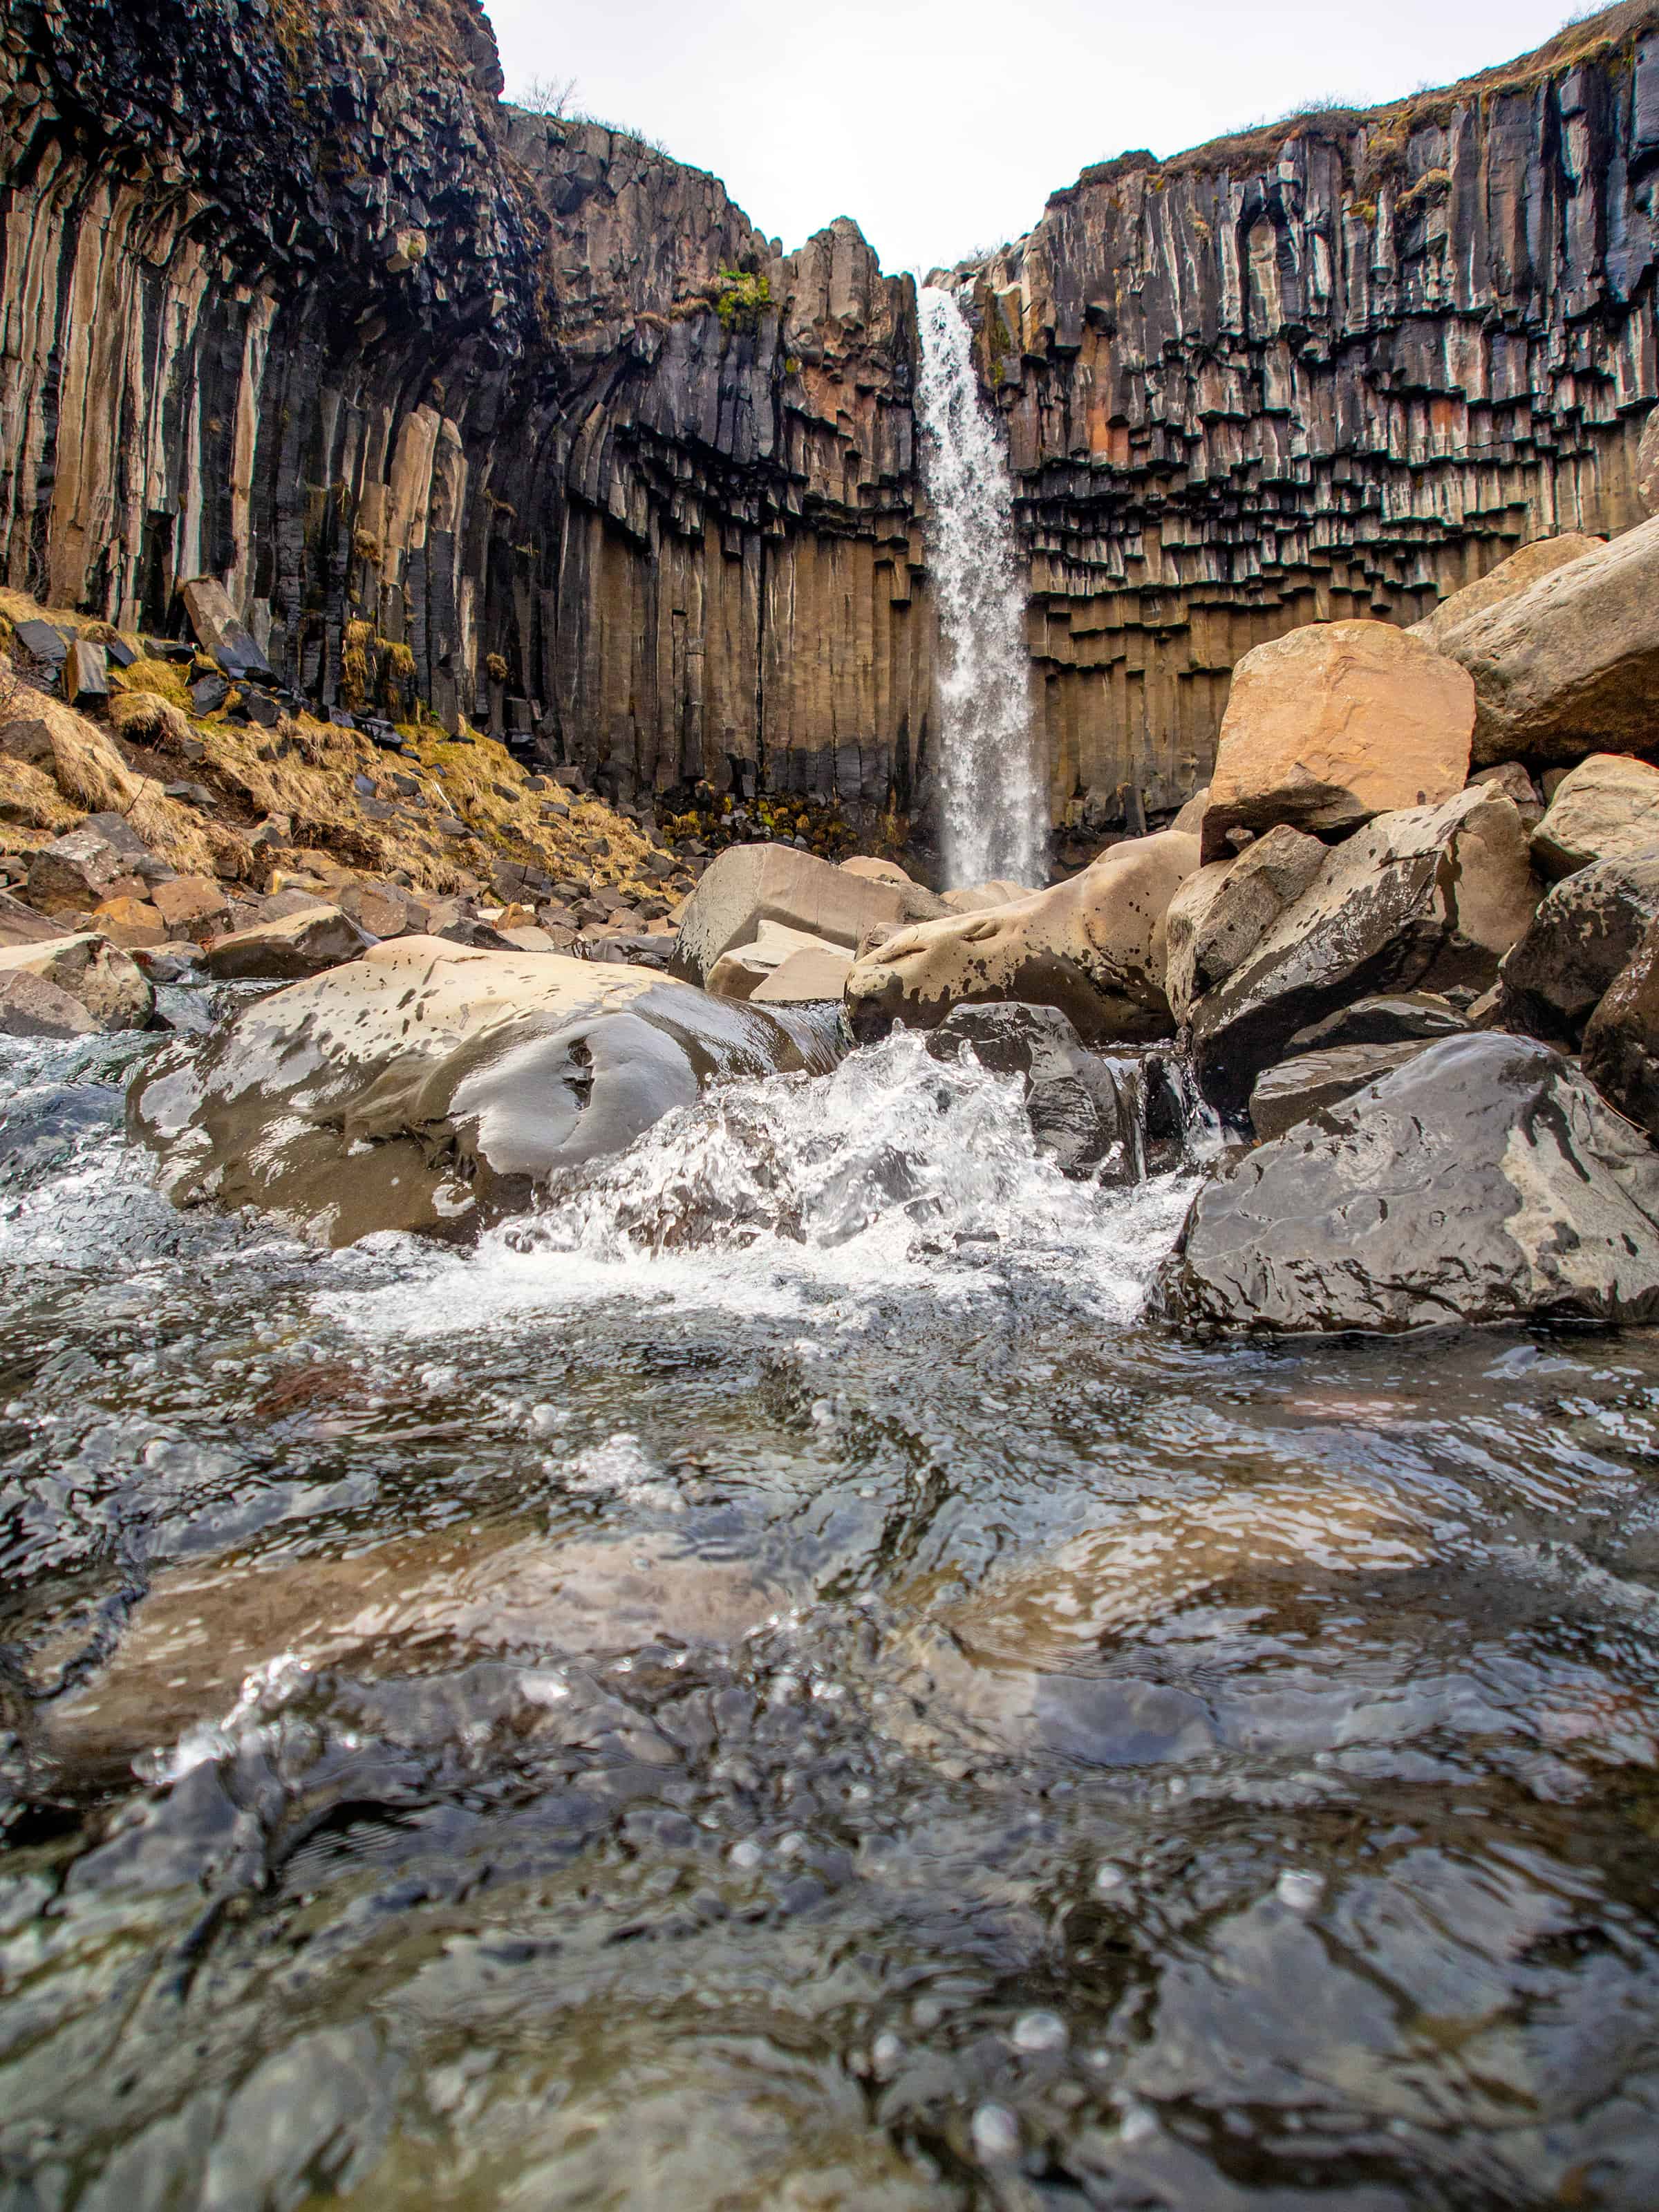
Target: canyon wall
[(518, 416), (522, 418), (1334, 367)]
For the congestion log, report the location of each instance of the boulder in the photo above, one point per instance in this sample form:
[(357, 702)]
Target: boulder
[(24, 925), (193, 906), (1190, 819), (1093, 946), (86, 673), (1587, 929), (1647, 464), (808, 977), (303, 944), (220, 628), (1220, 913), (1513, 780), (106, 981), (749, 884), (382, 910), (1289, 1093), (1086, 1113), (131, 923), (1431, 897), (1403, 1018), (737, 973), (1607, 809), (1518, 574), (74, 873), (1622, 1038), (1569, 665), (1329, 726), (978, 898), (877, 872), (426, 1086), (30, 1006), (1484, 1180)]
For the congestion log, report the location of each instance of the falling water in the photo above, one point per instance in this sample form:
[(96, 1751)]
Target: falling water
[(995, 815)]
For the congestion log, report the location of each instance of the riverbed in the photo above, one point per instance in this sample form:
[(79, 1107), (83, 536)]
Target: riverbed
[(766, 1684)]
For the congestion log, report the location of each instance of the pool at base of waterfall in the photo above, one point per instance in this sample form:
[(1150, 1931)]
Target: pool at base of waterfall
[(766, 1683)]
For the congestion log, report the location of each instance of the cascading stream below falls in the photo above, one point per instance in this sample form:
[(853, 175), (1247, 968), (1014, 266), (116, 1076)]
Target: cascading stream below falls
[(995, 807)]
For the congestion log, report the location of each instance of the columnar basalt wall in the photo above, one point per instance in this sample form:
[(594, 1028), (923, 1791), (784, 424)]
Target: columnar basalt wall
[(522, 418), (457, 401), (1333, 368)]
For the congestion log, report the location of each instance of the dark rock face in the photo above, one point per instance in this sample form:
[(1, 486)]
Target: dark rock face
[(1483, 1182), (1087, 1113), (1408, 1016), (1586, 929), (381, 351), (1333, 368), (1297, 1088), (1621, 1039), (429, 1087)]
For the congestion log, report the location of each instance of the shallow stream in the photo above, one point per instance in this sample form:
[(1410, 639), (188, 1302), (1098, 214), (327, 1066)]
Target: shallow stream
[(767, 1686)]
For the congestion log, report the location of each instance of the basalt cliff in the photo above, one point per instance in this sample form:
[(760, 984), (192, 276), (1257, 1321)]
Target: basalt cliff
[(520, 418)]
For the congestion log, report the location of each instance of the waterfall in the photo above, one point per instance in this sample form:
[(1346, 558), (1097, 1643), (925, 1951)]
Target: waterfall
[(994, 805)]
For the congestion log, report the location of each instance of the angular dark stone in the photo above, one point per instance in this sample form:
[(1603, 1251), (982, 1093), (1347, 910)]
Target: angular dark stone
[(1087, 1113), (1621, 1039), (208, 694), (43, 641), (1289, 1093), (1396, 1020), (1484, 1181), (1586, 930)]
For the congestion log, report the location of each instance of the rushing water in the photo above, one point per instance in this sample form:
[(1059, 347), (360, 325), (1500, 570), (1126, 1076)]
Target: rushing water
[(765, 1685), (995, 807)]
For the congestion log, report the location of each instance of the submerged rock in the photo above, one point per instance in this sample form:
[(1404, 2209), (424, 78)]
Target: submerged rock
[(1484, 1182), (427, 1086), (1093, 946), (1086, 1114)]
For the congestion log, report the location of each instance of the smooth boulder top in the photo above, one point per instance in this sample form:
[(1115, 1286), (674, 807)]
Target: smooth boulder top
[(1332, 724), (749, 884), (429, 1087), (1568, 666), (1093, 946), (1484, 1180), (1605, 809), (1526, 567)]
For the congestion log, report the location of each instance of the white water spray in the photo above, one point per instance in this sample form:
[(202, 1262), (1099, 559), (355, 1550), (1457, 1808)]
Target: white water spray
[(994, 805)]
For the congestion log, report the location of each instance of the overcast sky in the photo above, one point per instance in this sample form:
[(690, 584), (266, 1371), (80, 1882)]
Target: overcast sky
[(942, 125)]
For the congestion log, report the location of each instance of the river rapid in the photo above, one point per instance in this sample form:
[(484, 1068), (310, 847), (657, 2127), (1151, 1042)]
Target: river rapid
[(767, 1685)]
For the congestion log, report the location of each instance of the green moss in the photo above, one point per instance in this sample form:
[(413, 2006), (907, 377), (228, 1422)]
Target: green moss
[(742, 298)]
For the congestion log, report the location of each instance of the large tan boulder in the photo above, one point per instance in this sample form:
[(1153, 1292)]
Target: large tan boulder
[(132, 923), (977, 898), (739, 973), (1327, 726), (31, 1007), (812, 976), (876, 871), (429, 1086), (749, 884), (194, 907), (1570, 666), (109, 984), (1607, 809), (1430, 898), (1219, 915), (1094, 947), (1518, 574)]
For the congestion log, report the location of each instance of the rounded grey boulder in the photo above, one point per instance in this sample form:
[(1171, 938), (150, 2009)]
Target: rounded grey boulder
[(429, 1087)]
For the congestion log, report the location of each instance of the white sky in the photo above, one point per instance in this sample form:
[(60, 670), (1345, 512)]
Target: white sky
[(942, 125)]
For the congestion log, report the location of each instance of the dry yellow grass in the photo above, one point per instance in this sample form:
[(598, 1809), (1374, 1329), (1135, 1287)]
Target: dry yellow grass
[(158, 677)]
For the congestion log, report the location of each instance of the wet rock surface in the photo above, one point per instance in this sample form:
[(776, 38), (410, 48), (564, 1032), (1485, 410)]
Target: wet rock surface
[(1430, 897), (1320, 1077), (430, 1086), (1587, 929), (1087, 1113), (1483, 1180)]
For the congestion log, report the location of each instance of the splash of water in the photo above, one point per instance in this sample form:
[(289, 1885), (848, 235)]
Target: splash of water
[(994, 805)]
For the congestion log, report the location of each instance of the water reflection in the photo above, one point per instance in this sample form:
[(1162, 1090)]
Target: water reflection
[(702, 1705)]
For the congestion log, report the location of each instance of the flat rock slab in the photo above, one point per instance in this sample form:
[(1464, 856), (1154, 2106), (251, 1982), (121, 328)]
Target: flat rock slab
[(749, 884), (1289, 1093), (1485, 1181), (429, 1086)]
